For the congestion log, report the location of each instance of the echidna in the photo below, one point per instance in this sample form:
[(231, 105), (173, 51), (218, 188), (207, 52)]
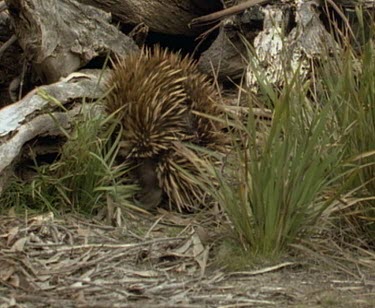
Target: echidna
[(159, 97)]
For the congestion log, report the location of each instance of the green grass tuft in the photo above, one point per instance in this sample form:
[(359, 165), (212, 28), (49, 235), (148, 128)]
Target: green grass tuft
[(348, 83), (85, 174), (280, 173)]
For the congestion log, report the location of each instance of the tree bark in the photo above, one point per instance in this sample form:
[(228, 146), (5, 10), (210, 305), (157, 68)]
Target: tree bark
[(163, 16), (60, 36)]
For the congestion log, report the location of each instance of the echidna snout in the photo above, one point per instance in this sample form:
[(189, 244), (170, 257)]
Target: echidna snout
[(150, 195)]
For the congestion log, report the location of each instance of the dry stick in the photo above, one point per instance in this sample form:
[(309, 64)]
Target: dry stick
[(63, 248), (210, 18), (7, 44), (263, 270)]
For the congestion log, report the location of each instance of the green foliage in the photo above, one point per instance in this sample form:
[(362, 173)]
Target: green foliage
[(279, 179), (280, 174), (348, 82), (230, 256), (85, 174)]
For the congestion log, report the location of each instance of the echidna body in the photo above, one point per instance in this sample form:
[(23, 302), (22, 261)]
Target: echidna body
[(159, 97)]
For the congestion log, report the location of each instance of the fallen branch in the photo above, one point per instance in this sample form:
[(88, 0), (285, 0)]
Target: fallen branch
[(263, 270)]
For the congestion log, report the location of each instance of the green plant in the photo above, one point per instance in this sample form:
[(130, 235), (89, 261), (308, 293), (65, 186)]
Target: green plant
[(272, 185), (84, 175), (348, 82), (88, 169)]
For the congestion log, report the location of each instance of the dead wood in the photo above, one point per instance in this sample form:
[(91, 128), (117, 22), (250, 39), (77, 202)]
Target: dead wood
[(262, 26), (223, 59), (164, 16), (213, 17), (70, 261), (35, 115), (60, 36), (226, 58)]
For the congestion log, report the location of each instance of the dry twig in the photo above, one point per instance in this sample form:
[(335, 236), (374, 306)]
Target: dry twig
[(211, 18)]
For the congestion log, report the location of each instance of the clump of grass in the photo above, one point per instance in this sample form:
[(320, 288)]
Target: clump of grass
[(232, 257), (273, 185), (84, 176), (279, 180), (19, 196), (348, 82), (88, 170)]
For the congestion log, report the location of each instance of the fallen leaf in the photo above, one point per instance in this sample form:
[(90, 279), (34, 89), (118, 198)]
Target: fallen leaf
[(19, 244), (41, 219), (200, 253), (6, 271), (12, 235)]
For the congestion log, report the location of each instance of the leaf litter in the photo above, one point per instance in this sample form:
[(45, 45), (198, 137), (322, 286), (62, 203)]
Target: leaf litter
[(77, 262)]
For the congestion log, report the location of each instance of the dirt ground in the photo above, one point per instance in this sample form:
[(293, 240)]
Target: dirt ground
[(161, 261)]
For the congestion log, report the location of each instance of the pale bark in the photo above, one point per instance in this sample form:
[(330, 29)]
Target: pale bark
[(60, 36)]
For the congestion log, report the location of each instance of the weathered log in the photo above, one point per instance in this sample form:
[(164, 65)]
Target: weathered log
[(281, 55), (60, 36), (35, 115), (163, 16), (226, 57)]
